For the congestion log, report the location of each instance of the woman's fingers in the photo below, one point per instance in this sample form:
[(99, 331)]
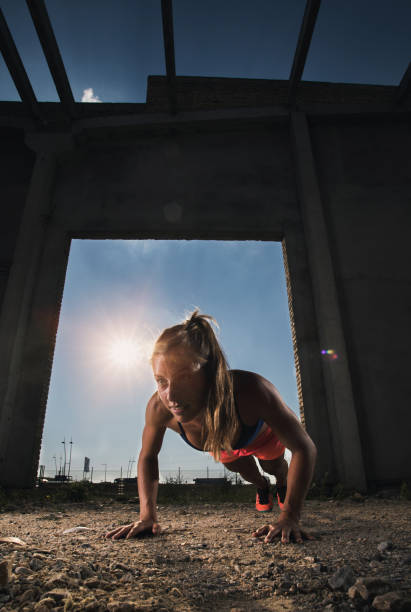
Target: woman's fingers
[(139, 528), (287, 533), (273, 532), (121, 533), (156, 529), (262, 531), (113, 532)]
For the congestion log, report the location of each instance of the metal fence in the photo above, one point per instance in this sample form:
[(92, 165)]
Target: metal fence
[(179, 475)]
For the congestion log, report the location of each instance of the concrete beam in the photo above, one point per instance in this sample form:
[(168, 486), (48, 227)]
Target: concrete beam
[(16, 307), (304, 40), (339, 394), (16, 68), (168, 35), (404, 88), (51, 51)]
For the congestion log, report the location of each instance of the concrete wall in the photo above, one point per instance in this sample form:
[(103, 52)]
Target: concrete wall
[(16, 165), (231, 181), (364, 169)]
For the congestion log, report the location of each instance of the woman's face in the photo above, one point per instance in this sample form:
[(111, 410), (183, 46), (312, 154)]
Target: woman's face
[(181, 383)]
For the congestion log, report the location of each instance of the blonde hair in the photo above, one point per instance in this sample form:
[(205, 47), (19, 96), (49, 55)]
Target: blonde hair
[(221, 422)]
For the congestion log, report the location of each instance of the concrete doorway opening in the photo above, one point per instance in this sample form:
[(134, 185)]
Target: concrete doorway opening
[(117, 297)]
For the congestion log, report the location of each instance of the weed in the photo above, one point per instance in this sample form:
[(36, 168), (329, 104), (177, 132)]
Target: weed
[(405, 492)]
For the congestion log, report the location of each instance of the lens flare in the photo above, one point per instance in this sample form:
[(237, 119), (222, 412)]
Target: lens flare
[(330, 353)]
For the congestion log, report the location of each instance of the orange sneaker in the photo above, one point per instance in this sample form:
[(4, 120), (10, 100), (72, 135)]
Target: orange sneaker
[(264, 500), (281, 493)]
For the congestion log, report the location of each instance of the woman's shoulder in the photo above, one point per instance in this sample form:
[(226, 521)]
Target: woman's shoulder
[(249, 393), (244, 379)]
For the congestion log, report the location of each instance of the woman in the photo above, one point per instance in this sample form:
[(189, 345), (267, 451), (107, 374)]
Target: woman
[(233, 414)]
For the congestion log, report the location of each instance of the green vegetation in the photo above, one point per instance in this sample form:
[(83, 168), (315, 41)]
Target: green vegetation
[(171, 492), (405, 491)]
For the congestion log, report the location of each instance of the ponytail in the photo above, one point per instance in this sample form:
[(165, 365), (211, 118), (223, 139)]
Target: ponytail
[(220, 420)]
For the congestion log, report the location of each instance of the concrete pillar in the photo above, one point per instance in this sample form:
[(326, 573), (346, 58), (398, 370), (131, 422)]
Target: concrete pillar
[(339, 395), (16, 308)]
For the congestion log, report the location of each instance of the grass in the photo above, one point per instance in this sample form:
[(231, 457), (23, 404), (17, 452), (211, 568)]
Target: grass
[(53, 494)]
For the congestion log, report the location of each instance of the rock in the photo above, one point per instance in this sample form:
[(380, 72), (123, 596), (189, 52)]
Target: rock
[(36, 564), (78, 529), (393, 600), (318, 568), (45, 604), (58, 595), (92, 583), (354, 594), (384, 546), (90, 604), (29, 596), (5, 572), (124, 606), (311, 559), (22, 571), (368, 588), (56, 581), (356, 496), (342, 578), (86, 571)]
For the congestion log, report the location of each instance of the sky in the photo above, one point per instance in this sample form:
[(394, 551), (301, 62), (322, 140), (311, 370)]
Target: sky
[(110, 46), (119, 292), (118, 296)]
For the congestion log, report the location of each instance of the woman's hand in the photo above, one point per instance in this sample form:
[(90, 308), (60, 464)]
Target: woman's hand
[(133, 530), (286, 527)]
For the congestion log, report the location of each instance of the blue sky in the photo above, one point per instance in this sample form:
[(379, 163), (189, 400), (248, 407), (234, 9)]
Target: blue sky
[(119, 293), (111, 46), (121, 290)]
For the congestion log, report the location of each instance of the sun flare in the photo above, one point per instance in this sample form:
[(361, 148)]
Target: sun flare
[(124, 353)]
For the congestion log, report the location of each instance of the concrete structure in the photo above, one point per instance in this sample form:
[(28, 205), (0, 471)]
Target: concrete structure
[(324, 168)]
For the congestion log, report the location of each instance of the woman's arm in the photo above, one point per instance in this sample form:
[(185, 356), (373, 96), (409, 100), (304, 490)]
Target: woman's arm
[(269, 405), (147, 476), (147, 471)]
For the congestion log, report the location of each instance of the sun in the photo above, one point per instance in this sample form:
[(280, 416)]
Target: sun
[(124, 353)]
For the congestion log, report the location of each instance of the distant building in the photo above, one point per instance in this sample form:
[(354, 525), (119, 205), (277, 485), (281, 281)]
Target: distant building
[(211, 481)]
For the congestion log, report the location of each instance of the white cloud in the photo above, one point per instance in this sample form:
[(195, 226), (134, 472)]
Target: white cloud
[(88, 96)]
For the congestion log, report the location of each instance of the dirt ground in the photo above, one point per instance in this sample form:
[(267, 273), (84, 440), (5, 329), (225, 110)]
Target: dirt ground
[(206, 559)]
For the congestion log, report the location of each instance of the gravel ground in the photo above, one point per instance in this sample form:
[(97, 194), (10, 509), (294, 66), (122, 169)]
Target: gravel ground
[(206, 559)]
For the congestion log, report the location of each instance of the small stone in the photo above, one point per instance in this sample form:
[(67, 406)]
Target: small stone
[(124, 606), (384, 546), (5, 572), (45, 604), (354, 593), (22, 571), (29, 596), (58, 595), (90, 604), (92, 583), (56, 581), (342, 578), (392, 601), (36, 564), (285, 585), (370, 587)]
